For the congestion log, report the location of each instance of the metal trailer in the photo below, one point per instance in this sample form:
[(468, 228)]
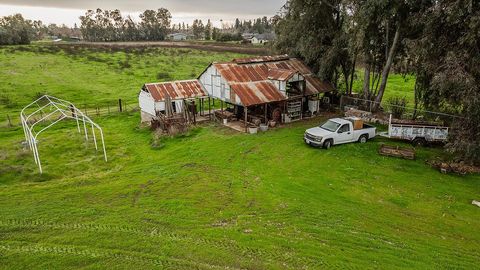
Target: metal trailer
[(417, 133)]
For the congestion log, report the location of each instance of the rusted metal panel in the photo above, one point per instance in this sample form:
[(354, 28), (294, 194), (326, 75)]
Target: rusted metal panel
[(280, 74), (176, 90), (314, 86), (250, 78), (254, 93), (261, 59)]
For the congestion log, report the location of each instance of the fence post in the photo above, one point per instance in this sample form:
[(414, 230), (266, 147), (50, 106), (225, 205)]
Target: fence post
[(120, 105), (9, 121), (341, 103)]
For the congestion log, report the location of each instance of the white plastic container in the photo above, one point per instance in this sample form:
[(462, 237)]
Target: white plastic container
[(253, 130), (263, 127)]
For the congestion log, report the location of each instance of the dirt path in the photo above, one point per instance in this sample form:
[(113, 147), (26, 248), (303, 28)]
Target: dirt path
[(216, 47)]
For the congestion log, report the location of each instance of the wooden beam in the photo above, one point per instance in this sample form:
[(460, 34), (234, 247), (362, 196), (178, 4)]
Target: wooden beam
[(266, 112), (246, 117)]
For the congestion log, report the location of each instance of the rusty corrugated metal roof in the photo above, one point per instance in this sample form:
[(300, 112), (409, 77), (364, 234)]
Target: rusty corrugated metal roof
[(263, 69), (261, 59), (254, 93), (176, 90), (314, 86), (280, 74)]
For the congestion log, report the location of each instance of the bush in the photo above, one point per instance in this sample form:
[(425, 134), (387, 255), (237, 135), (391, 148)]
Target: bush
[(397, 106), (164, 76)]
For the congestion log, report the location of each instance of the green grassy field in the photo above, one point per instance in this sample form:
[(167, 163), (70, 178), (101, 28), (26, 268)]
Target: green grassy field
[(214, 199)]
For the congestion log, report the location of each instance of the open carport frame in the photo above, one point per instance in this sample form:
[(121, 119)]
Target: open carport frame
[(58, 110)]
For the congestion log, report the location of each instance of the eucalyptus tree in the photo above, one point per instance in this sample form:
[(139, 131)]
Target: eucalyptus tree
[(319, 33), (448, 69)]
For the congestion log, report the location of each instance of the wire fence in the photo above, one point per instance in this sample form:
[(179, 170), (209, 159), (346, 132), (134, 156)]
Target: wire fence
[(397, 111), (12, 119)]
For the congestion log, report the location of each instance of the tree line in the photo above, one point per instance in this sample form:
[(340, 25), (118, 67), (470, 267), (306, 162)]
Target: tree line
[(15, 30), (436, 40), (110, 25)]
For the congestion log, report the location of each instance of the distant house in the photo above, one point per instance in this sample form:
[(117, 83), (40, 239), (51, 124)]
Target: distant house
[(177, 36), (262, 38), (247, 36)]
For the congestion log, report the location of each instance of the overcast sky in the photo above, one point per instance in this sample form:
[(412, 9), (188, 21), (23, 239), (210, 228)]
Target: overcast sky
[(58, 11)]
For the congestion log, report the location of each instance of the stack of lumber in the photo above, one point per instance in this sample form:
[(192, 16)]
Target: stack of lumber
[(396, 151)]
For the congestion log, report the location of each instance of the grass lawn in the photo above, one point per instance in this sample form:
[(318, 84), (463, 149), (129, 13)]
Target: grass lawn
[(397, 86), (213, 199)]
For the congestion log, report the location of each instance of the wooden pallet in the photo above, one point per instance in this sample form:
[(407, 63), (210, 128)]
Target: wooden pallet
[(396, 151)]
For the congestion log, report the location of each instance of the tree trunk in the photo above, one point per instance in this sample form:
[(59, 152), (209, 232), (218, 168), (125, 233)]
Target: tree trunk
[(353, 72), (386, 69), (346, 77), (366, 82)]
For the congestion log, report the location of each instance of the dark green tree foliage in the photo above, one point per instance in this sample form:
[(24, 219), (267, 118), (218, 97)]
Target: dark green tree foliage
[(106, 25), (198, 29), (16, 30), (316, 31), (448, 69), (208, 30), (259, 25), (155, 24)]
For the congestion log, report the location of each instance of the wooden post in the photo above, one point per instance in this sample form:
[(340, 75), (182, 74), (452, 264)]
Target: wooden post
[(301, 108), (246, 118), (9, 121), (120, 105), (194, 108), (209, 109), (266, 117)]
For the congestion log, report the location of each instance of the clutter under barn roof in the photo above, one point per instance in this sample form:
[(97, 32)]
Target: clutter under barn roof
[(264, 89)]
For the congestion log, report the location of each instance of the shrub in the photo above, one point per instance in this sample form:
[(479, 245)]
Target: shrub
[(164, 76), (397, 106)]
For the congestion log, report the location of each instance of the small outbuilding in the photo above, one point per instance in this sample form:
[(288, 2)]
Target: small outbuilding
[(160, 98)]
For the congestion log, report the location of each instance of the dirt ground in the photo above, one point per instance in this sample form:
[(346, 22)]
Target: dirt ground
[(210, 46)]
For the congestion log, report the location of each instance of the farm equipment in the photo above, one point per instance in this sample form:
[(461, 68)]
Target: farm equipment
[(418, 133)]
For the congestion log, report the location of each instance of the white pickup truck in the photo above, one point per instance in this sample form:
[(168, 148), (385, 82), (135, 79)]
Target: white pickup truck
[(339, 131)]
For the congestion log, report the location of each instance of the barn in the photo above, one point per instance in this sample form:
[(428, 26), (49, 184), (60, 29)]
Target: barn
[(277, 89)]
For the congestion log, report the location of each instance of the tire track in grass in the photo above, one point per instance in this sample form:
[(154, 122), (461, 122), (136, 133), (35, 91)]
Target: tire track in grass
[(274, 256), (354, 237), (79, 251)]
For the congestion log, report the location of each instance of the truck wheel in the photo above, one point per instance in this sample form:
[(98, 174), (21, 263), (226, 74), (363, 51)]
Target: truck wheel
[(327, 144), (363, 138), (419, 142)]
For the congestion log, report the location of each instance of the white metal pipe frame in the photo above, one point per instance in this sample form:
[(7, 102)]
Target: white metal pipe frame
[(65, 110)]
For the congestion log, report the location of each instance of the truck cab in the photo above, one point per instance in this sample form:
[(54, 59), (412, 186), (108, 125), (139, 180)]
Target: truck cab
[(339, 131)]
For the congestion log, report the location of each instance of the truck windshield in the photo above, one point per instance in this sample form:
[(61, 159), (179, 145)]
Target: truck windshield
[(330, 126)]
